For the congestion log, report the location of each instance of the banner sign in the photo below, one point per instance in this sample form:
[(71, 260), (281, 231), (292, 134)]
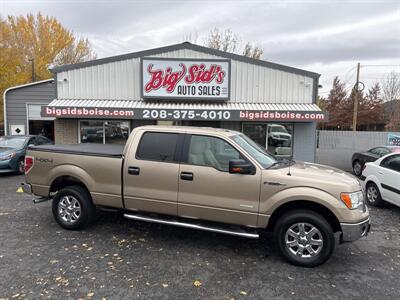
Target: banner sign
[(188, 79), (393, 139), (183, 114)]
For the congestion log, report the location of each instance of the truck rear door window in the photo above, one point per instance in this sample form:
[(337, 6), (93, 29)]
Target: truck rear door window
[(157, 146)]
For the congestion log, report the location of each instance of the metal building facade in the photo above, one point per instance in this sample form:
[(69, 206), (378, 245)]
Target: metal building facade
[(22, 104), (250, 82), (116, 84)]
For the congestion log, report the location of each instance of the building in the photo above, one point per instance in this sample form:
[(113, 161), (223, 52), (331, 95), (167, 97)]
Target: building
[(22, 108), (102, 100)]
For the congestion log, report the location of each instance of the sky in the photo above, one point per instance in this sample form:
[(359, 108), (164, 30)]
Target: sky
[(327, 37)]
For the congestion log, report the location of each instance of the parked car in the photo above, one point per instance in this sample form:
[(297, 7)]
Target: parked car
[(279, 136), (13, 148), (360, 158), (381, 180), (227, 184)]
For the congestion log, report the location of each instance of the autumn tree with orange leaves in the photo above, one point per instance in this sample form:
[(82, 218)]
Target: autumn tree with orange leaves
[(41, 38), (340, 105)]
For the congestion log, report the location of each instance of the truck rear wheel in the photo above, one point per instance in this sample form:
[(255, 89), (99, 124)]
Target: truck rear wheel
[(72, 208), (304, 238)]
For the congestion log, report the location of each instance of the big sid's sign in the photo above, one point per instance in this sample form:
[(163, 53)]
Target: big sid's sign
[(201, 79)]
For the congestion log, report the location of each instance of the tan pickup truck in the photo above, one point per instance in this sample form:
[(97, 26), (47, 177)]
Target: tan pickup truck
[(202, 178)]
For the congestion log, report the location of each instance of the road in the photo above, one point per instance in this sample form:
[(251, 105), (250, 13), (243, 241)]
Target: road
[(123, 259)]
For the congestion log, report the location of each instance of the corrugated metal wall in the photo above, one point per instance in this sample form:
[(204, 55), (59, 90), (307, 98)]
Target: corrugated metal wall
[(121, 80), (16, 100), (335, 148)]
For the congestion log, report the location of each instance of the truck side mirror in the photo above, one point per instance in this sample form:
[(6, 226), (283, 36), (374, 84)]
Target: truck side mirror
[(240, 166)]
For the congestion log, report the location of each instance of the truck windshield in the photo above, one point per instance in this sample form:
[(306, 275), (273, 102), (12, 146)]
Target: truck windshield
[(256, 151)]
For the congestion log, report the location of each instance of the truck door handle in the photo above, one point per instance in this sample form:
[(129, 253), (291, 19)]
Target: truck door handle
[(133, 170), (187, 176), (380, 172)]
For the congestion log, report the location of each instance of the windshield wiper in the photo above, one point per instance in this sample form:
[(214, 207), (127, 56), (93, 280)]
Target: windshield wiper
[(282, 162), (279, 162)]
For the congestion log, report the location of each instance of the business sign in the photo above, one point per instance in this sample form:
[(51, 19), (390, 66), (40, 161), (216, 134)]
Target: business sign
[(393, 139), (185, 79), (184, 114)]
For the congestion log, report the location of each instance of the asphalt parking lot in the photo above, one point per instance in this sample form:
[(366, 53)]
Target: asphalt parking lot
[(123, 259)]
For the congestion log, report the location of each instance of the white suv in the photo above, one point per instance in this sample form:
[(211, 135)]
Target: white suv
[(381, 180)]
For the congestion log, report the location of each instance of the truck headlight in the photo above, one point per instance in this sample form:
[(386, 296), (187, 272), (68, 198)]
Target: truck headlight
[(8, 156), (353, 200)]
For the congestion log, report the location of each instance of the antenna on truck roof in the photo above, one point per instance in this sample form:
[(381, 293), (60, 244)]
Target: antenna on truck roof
[(290, 163)]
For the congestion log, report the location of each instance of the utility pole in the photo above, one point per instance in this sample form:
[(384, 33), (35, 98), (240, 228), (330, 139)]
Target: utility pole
[(32, 60), (356, 98)]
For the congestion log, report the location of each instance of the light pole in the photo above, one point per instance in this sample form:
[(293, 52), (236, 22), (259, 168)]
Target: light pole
[(32, 60)]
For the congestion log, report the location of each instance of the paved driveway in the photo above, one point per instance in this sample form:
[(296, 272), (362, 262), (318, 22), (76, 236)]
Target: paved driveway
[(118, 258)]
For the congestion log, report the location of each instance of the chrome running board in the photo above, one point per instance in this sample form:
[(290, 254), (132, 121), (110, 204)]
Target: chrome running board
[(192, 226)]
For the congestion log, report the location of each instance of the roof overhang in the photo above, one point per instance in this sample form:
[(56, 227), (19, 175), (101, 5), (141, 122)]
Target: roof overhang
[(177, 111)]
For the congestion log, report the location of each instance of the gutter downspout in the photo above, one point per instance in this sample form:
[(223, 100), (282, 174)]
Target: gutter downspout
[(5, 112)]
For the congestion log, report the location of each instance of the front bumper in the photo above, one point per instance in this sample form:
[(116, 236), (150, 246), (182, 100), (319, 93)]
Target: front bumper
[(7, 166), (353, 232)]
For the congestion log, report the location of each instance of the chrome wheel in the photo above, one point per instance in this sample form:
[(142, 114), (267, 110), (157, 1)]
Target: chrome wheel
[(304, 240), (357, 168), (372, 194), (69, 209)]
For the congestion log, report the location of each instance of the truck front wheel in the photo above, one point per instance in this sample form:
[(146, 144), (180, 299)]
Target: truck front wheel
[(304, 238), (72, 208)]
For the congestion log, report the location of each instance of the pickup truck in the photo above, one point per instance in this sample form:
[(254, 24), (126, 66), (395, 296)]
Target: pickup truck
[(202, 178)]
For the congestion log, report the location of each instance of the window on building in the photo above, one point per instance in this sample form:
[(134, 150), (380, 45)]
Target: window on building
[(104, 132), (157, 146), (91, 132), (116, 132), (277, 138)]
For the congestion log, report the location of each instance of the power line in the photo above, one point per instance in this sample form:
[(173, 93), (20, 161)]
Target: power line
[(380, 65)]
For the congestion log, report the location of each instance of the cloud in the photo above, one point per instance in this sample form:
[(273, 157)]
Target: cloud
[(327, 37)]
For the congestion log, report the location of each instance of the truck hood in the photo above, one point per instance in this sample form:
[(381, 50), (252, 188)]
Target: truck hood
[(280, 133), (320, 175)]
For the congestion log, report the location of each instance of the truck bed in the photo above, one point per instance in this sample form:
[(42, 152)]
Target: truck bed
[(90, 149)]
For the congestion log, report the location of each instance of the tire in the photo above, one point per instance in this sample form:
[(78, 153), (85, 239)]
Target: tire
[(20, 166), (373, 195), (357, 168), (303, 249), (73, 208)]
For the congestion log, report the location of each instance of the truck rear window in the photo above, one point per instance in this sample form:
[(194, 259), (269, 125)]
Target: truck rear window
[(157, 146)]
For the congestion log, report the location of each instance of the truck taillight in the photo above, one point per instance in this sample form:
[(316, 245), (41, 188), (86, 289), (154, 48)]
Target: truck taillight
[(364, 167), (28, 163)]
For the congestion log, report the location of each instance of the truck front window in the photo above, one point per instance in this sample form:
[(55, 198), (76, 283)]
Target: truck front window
[(257, 152)]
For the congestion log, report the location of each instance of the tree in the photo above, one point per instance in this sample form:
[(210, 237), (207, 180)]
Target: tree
[(41, 38), (338, 107), (252, 51), (370, 111), (322, 104), (228, 41), (391, 87), (391, 95)]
